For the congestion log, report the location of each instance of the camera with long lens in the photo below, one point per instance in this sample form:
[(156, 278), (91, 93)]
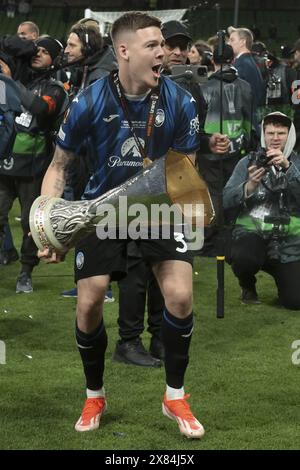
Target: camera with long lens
[(259, 159), (280, 224), (279, 216)]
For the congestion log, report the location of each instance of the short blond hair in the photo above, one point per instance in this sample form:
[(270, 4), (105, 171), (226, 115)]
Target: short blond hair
[(243, 33)]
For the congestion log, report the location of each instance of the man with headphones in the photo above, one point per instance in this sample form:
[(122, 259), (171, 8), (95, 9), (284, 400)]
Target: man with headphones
[(91, 58)]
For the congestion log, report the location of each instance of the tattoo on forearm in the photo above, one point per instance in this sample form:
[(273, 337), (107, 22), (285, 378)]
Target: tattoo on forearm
[(62, 159), (59, 185)]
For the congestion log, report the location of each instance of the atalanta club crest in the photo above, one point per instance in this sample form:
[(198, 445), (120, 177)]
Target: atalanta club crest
[(80, 260), (159, 118)]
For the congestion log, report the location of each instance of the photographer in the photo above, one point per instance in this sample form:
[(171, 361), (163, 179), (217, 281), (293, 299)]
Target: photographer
[(43, 101), (19, 53), (264, 193)]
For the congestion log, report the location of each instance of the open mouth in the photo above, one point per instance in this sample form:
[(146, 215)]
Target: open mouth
[(156, 70)]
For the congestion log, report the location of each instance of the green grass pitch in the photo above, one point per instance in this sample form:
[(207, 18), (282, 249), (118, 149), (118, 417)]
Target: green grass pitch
[(243, 384)]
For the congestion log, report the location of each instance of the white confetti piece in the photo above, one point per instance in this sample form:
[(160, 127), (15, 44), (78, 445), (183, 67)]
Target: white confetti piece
[(28, 356), (196, 273)]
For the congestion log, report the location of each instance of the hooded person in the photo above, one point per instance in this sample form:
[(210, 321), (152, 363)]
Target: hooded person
[(264, 193), (280, 119)]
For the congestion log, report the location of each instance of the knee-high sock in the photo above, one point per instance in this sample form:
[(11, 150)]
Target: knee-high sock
[(92, 349), (176, 337)]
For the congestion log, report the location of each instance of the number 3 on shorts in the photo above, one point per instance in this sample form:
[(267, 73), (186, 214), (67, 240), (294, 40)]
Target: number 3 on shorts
[(179, 237)]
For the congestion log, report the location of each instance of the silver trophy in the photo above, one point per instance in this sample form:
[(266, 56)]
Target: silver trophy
[(58, 224)]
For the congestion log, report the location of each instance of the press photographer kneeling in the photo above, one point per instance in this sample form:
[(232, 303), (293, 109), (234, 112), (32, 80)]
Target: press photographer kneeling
[(264, 194)]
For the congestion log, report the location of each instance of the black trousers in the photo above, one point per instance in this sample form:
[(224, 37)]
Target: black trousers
[(210, 171), (133, 290), (26, 189), (249, 254)]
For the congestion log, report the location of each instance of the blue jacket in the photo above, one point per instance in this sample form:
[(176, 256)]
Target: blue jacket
[(248, 70)]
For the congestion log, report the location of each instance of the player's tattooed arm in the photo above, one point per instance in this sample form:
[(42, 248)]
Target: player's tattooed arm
[(55, 177)]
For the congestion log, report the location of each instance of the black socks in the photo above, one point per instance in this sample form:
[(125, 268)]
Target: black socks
[(176, 337), (92, 349)]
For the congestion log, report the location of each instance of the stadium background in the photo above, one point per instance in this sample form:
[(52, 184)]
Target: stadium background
[(204, 18)]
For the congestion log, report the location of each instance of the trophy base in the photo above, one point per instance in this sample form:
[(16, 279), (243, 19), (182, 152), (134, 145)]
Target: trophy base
[(40, 222)]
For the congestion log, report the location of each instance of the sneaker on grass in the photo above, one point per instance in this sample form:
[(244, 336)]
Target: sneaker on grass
[(73, 293), (70, 293), (179, 411), (109, 296), (91, 414), (8, 256), (249, 296), (24, 283)]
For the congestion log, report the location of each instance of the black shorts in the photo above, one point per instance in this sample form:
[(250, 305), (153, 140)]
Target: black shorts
[(94, 257)]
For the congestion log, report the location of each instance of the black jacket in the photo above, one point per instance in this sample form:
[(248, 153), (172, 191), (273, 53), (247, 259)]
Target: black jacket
[(94, 67), (17, 53), (43, 101), (237, 112)]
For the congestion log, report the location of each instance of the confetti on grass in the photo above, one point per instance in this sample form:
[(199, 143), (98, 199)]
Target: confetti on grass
[(28, 356)]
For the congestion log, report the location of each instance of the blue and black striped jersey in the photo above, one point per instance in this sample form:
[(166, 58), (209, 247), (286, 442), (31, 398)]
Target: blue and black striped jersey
[(96, 117)]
